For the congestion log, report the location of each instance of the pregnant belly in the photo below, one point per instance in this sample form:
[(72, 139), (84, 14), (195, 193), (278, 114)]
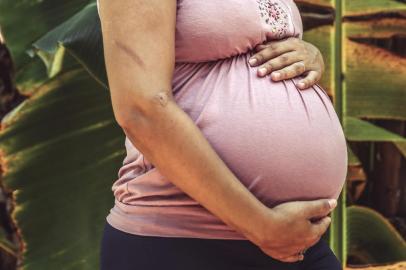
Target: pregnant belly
[(282, 143)]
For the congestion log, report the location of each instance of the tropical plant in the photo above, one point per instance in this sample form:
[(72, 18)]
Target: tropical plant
[(61, 148)]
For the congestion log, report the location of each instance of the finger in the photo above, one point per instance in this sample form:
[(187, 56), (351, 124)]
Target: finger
[(270, 51), (318, 219), (287, 43), (320, 227), (318, 208), (288, 72), (260, 47), (278, 63), (311, 78)]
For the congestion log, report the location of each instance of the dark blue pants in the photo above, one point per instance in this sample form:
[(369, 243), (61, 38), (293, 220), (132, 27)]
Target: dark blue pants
[(124, 251)]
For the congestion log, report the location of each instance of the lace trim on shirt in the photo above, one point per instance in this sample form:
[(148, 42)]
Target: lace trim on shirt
[(274, 15)]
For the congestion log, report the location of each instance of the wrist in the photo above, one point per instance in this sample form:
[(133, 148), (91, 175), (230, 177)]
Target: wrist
[(261, 229)]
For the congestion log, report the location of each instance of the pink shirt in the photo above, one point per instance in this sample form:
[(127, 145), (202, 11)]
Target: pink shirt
[(282, 144)]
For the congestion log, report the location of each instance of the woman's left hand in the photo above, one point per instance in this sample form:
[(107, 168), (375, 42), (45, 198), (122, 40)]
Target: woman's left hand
[(288, 58)]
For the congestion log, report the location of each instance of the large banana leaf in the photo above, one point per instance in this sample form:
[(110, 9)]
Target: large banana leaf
[(374, 72), (372, 239), (61, 150), (380, 95), (373, 88), (359, 130)]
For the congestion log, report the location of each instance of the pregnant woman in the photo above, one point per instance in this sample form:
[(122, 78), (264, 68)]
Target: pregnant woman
[(225, 169)]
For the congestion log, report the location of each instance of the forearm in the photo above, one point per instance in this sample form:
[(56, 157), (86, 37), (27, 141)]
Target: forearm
[(170, 140)]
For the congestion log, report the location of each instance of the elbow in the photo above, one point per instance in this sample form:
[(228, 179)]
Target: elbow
[(126, 119), (130, 116), (143, 112), (147, 121)]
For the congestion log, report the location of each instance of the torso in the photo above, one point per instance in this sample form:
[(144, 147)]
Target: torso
[(282, 143)]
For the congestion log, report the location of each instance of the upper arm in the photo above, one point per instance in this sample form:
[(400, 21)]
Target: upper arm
[(139, 51)]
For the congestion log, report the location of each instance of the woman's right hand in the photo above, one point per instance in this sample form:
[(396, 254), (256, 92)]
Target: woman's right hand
[(291, 227)]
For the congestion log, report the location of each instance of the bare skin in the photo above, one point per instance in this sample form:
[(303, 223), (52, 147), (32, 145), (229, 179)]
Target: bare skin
[(289, 58), (139, 49)]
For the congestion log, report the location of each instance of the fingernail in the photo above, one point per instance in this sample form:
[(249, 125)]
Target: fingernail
[(333, 203), (262, 71), (276, 75), (252, 61), (301, 84)]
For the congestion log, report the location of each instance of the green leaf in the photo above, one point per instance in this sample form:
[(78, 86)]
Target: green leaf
[(372, 239), (402, 147), (374, 76), (31, 76), (359, 130), (352, 158), (385, 27), (363, 7), (81, 37), (61, 150), (24, 21)]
